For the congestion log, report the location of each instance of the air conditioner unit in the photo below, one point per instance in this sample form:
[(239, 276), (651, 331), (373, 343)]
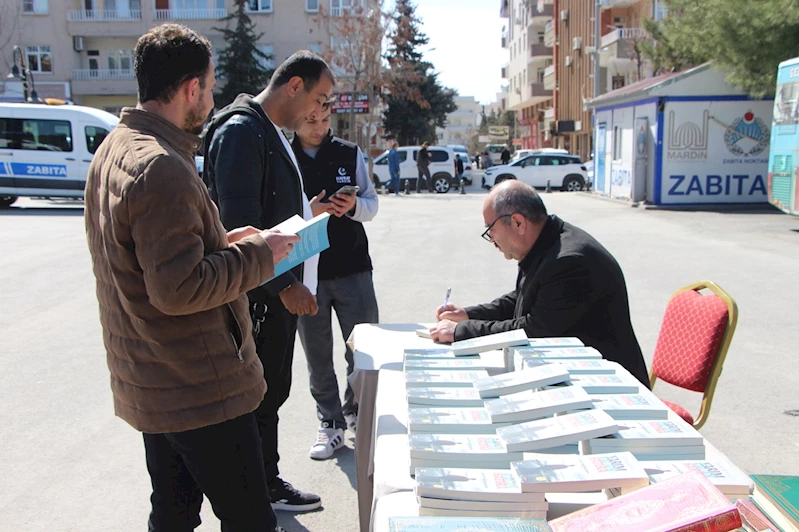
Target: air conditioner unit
[(577, 43), (590, 49), (564, 15), (568, 60), (77, 43)]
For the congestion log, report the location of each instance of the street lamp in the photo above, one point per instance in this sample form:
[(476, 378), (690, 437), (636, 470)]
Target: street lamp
[(21, 73)]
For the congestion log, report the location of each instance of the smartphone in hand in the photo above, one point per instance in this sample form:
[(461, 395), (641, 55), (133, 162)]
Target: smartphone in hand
[(347, 190)]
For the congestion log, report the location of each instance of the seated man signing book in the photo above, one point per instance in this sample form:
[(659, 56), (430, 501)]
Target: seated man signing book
[(568, 284)]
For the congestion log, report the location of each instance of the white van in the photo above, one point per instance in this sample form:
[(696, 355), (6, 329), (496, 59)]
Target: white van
[(442, 168), (45, 150)]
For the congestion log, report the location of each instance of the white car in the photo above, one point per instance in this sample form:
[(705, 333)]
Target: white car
[(461, 150), (521, 154), (562, 171), (442, 168)]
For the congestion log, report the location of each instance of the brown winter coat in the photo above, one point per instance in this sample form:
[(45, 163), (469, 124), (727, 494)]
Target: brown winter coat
[(170, 286)]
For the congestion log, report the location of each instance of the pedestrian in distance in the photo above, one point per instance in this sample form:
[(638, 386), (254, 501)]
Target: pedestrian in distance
[(423, 169), (459, 170), (487, 162), (171, 286), (394, 167), (505, 156)]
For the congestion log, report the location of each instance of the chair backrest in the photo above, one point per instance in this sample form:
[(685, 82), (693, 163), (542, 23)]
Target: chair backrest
[(693, 341)]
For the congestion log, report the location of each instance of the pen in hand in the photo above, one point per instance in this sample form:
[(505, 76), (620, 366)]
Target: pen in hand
[(446, 299)]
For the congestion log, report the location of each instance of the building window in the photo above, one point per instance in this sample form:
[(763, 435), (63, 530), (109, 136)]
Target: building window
[(35, 7), (616, 143), (259, 6), (312, 6), (617, 82), (338, 7), (120, 60), (39, 59), (268, 49)]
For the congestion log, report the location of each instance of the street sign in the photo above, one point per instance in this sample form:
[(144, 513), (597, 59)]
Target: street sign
[(341, 104), (498, 131)]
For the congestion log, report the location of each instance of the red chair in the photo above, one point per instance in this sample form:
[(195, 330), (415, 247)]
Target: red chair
[(694, 338)]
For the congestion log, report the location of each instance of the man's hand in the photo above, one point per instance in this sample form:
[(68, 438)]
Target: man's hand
[(443, 332), (451, 312), (341, 204), (317, 207), (280, 244), (299, 300), (242, 232)]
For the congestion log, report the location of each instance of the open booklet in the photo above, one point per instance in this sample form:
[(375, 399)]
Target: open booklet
[(314, 240)]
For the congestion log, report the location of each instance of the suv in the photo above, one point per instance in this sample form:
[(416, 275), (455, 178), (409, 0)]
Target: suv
[(442, 168), (565, 172)]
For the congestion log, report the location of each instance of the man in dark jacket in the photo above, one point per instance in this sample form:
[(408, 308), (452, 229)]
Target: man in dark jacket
[(423, 169), (256, 181), (345, 272), (505, 155), (568, 284)]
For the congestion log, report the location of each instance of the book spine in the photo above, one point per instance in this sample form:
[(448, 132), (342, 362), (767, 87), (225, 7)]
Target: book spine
[(723, 522)]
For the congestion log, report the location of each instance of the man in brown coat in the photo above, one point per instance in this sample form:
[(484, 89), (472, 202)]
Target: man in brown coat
[(171, 285)]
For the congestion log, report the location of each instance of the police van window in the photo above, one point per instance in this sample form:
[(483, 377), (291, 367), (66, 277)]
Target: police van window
[(33, 134), (404, 156), (438, 156), (94, 136)]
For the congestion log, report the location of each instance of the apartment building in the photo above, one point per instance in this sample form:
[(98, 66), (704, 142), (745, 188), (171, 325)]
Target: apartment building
[(461, 123), (82, 50)]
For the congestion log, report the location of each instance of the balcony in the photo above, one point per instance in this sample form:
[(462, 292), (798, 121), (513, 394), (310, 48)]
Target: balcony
[(102, 15), (190, 14), (504, 71), (504, 38), (532, 94), (618, 4), (549, 34), (538, 18), (619, 45), (103, 82), (539, 52), (537, 90), (549, 77)]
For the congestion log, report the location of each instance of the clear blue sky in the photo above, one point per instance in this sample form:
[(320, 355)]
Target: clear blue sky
[(465, 46)]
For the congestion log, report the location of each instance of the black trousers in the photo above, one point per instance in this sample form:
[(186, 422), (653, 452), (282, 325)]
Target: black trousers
[(222, 461), (275, 347)]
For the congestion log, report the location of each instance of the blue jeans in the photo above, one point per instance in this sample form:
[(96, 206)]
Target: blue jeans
[(395, 181)]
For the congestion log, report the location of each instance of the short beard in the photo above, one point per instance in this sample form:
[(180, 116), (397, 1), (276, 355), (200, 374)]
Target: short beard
[(194, 121)]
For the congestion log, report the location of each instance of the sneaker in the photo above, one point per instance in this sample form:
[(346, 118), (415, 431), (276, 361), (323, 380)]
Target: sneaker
[(352, 421), (289, 499), (328, 439)]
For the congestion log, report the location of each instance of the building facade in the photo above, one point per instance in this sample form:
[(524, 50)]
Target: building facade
[(461, 124)]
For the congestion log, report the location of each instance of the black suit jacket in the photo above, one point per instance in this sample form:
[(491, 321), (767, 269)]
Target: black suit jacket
[(568, 285)]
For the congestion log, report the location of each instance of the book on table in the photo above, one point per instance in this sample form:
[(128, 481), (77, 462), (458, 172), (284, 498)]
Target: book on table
[(479, 514), (561, 430), (555, 353), (778, 497), (416, 463), (445, 420), (563, 473), (603, 384), (432, 353), (443, 378), (469, 364), (424, 333), (530, 405), (651, 440), (466, 524), (484, 506), (461, 448), (732, 483), (313, 240), (555, 341), (458, 397), (687, 502), (464, 484), (591, 366), (631, 406), (753, 518), (489, 342), (519, 381)]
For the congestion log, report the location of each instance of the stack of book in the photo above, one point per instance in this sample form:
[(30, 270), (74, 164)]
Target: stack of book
[(620, 382), (545, 434), (451, 420), (433, 353), (459, 397), (452, 364), (630, 406), (530, 405), (519, 381), (477, 451), (463, 492), (653, 440), (466, 524), (556, 341), (778, 497), (753, 518), (554, 354), (733, 484), (428, 378), (590, 366), (570, 474), (686, 502), (489, 342)]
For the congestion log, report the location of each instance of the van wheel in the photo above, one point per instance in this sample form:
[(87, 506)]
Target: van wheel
[(6, 201), (503, 177), (573, 183), (441, 183)]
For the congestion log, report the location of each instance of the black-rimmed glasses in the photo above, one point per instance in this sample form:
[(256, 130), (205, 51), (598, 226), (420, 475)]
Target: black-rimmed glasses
[(486, 236)]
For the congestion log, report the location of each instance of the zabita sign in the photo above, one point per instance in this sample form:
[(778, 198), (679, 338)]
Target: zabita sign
[(715, 151)]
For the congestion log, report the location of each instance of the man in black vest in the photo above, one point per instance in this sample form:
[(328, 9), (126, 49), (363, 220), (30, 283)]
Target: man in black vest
[(423, 169), (345, 271), (255, 180)]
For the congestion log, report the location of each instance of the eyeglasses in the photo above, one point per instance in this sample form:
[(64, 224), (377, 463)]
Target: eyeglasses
[(486, 236)]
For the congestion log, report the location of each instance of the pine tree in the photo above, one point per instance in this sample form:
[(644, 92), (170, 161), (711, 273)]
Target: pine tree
[(240, 61), (417, 103)]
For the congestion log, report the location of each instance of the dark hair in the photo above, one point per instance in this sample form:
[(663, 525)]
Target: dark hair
[(521, 198), (165, 57), (304, 64)]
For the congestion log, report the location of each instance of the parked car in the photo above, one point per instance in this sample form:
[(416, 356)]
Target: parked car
[(565, 172), (442, 168), (496, 152), (521, 154), (463, 151)]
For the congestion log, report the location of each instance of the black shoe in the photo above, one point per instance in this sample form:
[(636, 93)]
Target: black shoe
[(286, 497)]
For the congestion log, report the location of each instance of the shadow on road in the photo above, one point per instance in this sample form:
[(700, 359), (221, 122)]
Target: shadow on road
[(290, 523), (56, 210), (763, 208), (345, 460)]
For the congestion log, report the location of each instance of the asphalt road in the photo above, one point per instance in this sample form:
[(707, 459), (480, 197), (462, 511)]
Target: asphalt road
[(69, 465)]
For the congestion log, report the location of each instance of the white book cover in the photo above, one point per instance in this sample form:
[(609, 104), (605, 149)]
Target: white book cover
[(482, 447), (631, 406), (557, 431), (468, 464), (592, 366), (557, 353), (603, 384), (650, 433), (460, 397), (454, 504), (529, 405), (477, 514), (451, 421), (556, 341), (489, 342), (460, 364), (431, 353), (472, 485), (423, 378), (727, 480), (581, 473), (519, 381)]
